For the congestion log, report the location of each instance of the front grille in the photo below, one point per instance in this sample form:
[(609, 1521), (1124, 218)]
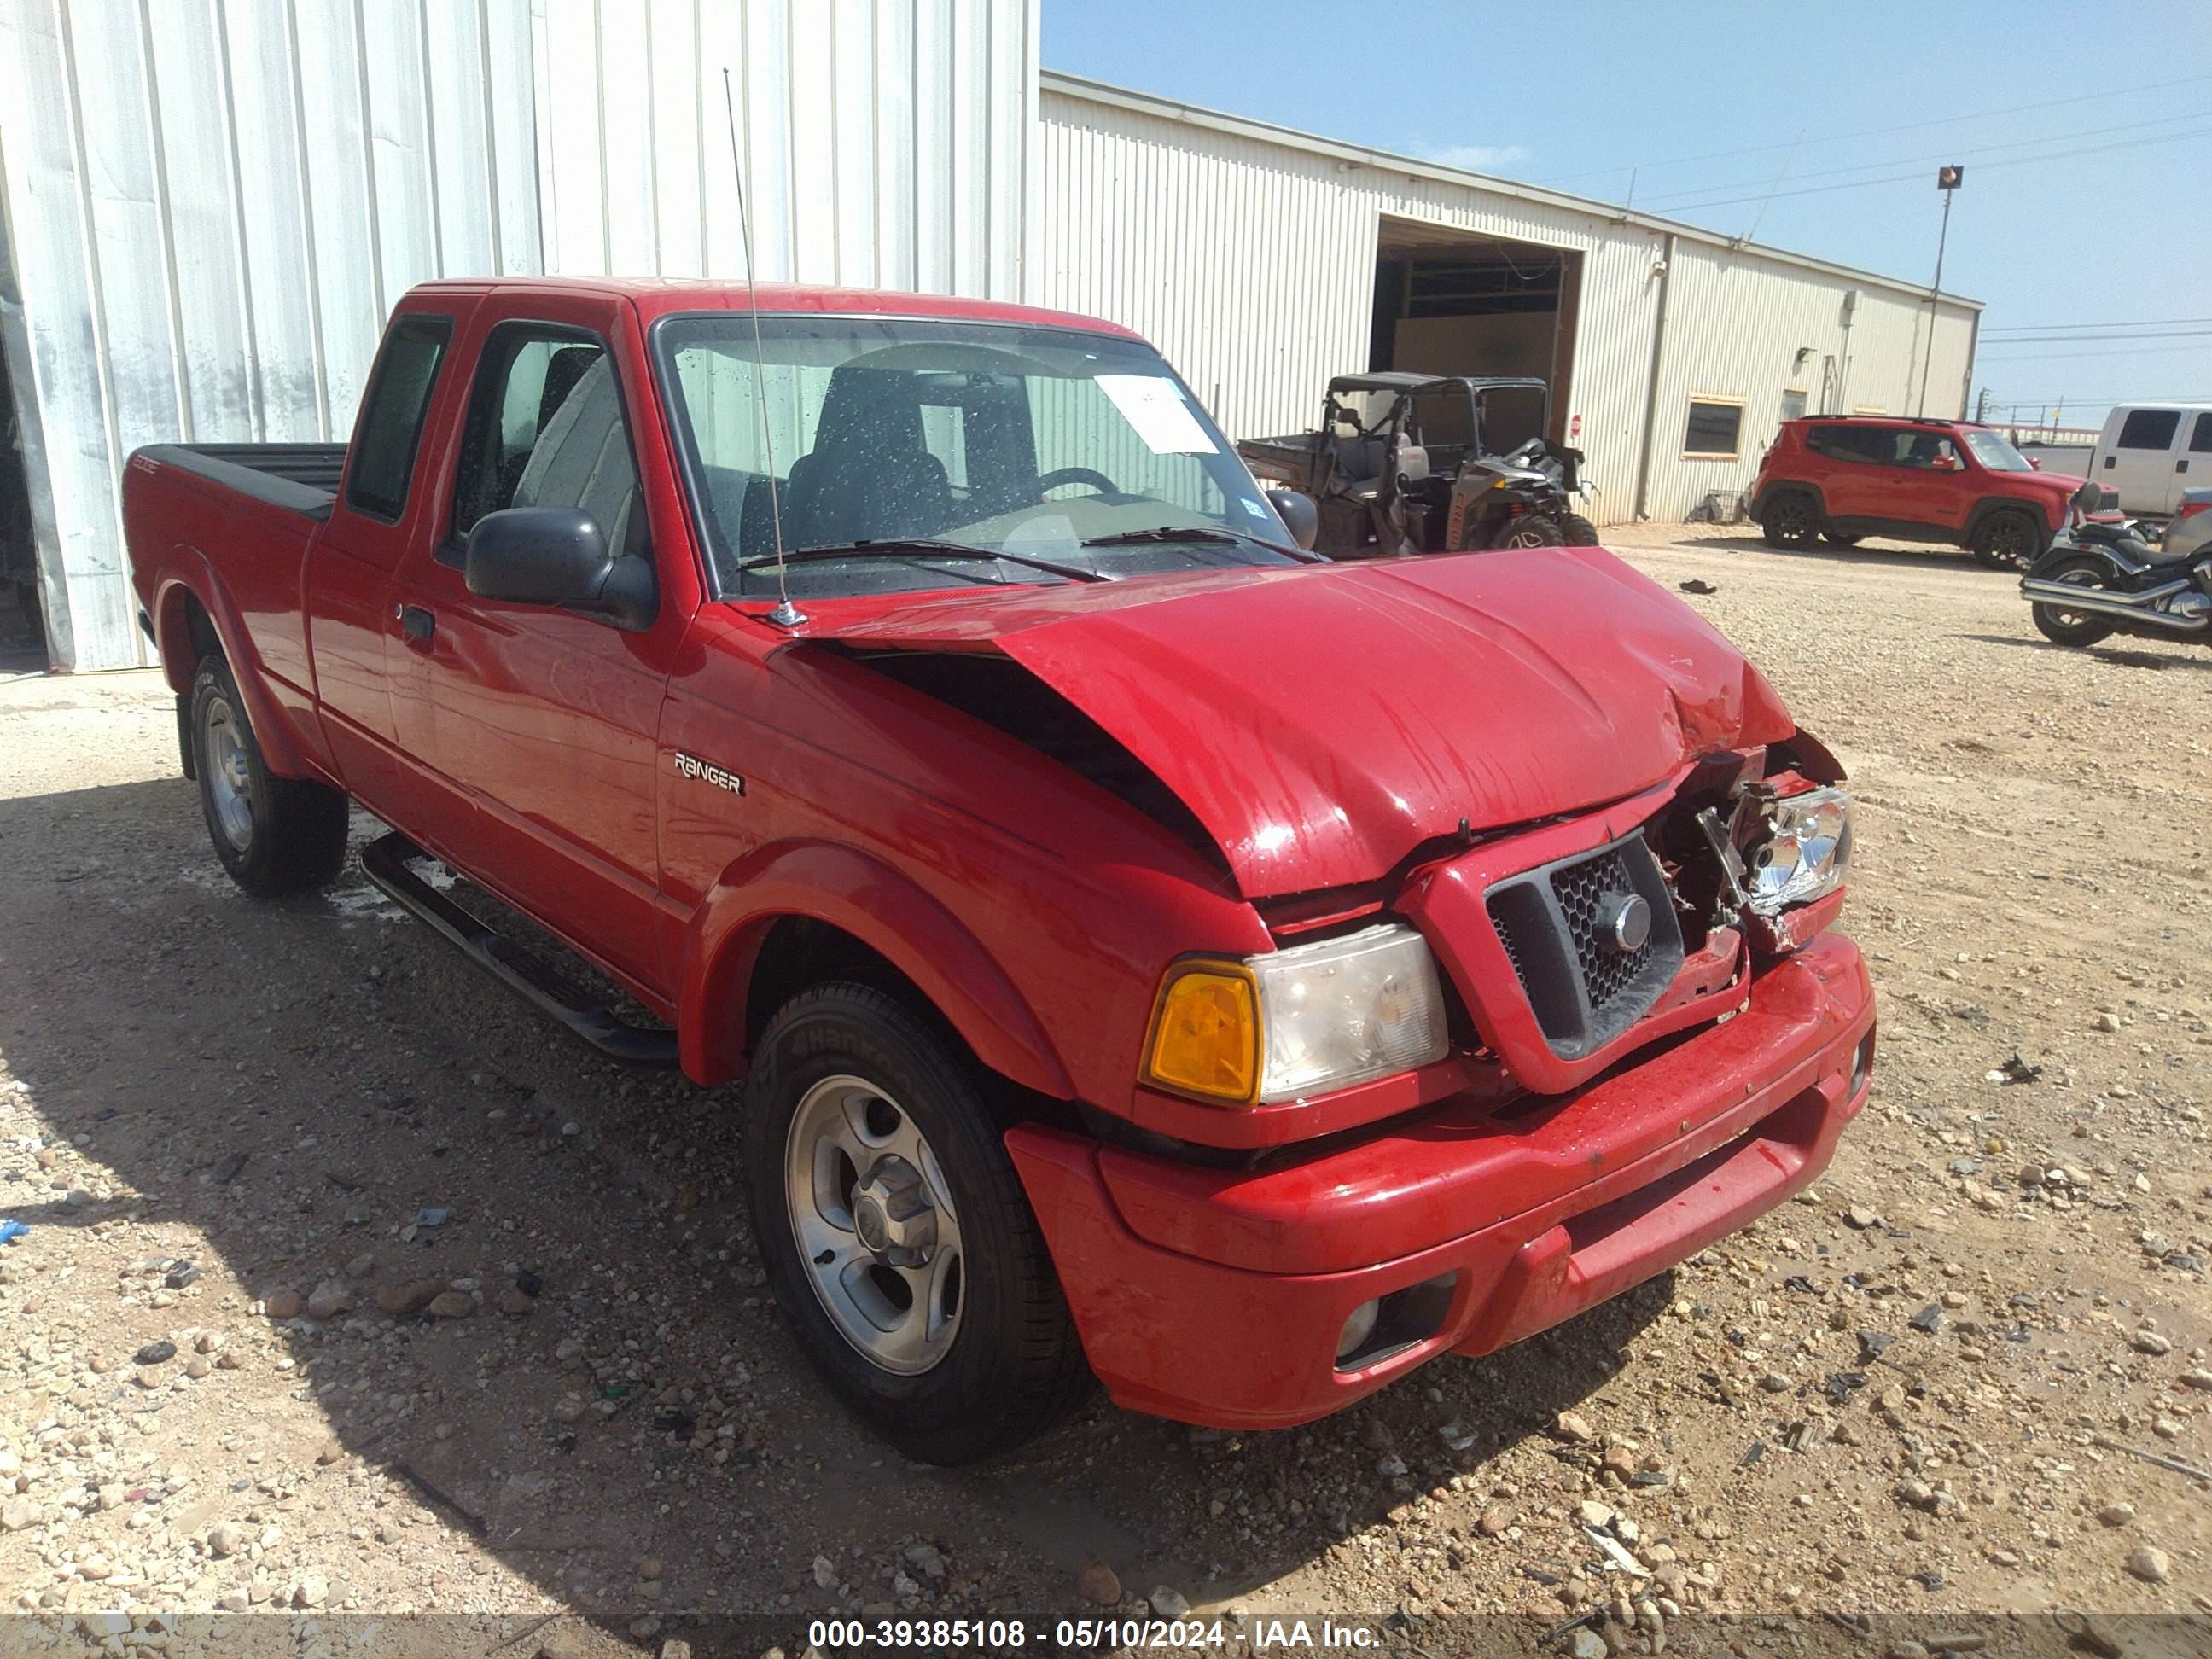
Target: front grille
[(1581, 890), (1554, 922)]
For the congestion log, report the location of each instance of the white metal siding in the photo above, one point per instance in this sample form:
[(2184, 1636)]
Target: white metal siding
[(210, 206), (885, 142), (1249, 258)]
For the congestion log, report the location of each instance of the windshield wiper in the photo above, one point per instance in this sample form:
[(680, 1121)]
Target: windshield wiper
[(900, 547), (1221, 533)]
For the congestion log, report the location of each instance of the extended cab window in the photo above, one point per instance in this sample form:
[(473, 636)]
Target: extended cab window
[(546, 429), (383, 461)]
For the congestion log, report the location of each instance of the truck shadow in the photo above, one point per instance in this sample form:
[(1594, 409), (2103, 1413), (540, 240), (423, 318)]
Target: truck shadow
[(277, 1093)]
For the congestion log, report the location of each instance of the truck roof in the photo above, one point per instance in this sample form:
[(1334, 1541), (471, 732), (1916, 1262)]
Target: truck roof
[(1399, 380), (660, 296)]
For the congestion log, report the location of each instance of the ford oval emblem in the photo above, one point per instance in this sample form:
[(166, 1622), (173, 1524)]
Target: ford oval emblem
[(1627, 920)]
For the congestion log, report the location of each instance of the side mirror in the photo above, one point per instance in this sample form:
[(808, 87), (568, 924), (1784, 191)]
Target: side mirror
[(1945, 463), (2035, 462), (558, 555), (1299, 515)]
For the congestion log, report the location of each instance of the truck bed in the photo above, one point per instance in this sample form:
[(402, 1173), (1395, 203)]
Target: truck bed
[(301, 479), (1286, 461)]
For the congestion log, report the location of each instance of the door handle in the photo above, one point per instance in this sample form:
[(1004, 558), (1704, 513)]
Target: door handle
[(416, 624), (2182, 465)]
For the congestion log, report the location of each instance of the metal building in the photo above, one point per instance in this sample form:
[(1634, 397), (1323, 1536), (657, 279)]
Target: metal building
[(208, 206), (1262, 261)]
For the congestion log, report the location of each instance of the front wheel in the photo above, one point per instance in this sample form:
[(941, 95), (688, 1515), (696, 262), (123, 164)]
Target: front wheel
[(896, 1234), (2078, 628), (2009, 541), (275, 835), (1578, 531), (1530, 530)]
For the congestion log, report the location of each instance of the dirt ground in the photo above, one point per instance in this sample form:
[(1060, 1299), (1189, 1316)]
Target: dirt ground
[(1920, 1391)]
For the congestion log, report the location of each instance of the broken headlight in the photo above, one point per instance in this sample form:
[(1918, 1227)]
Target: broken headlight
[(1799, 851)]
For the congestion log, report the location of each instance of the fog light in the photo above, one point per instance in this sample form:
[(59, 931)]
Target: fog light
[(1861, 1066), (1358, 1328)]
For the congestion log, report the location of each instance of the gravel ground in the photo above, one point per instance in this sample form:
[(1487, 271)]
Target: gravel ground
[(1931, 1388)]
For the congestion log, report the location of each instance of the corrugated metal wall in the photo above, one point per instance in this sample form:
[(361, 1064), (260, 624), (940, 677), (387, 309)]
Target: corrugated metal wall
[(885, 142), (1248, 256), (208, 206)]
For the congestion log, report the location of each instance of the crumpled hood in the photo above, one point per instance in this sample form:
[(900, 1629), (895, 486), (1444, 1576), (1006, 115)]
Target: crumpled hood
[(1322, 722)]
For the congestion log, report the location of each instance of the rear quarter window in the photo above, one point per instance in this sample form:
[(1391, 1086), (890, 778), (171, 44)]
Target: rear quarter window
[(382, 466)]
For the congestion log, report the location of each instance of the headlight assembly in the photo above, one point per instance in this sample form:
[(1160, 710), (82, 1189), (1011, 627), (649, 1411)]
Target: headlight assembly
[(1800, 851), (1298, 1022)]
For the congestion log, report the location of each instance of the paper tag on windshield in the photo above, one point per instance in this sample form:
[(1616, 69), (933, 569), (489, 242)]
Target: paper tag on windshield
[(1162, 420)]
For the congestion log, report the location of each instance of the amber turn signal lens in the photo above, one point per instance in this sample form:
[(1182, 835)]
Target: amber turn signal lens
[(1206, 1034)]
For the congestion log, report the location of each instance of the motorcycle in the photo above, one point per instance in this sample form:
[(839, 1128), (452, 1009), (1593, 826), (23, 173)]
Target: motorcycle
[(2103, 575)]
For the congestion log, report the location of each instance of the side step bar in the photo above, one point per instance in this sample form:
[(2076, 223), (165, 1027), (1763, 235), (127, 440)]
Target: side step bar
[(386, 861)]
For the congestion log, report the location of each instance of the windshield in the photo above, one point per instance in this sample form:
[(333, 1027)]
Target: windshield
[(1994, 453), (1034, 441)]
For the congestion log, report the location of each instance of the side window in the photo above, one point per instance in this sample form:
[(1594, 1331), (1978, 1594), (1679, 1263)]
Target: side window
[(382, 465), (2200, 440), (1713, 429), (546, 429), (2150, 428), (1851, 443)]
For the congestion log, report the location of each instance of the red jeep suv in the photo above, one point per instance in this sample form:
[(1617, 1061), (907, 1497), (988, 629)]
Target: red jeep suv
[(1844, 478)]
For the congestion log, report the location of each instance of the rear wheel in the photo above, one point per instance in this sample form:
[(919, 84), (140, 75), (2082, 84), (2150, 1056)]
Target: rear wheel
[(1530, 530), (1578, 531), (896, 1234), (1791, 520), (2009, 541), (2061, 626), (275, 835)]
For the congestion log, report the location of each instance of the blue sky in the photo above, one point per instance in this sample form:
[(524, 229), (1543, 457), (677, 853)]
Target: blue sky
[(2085, 129)]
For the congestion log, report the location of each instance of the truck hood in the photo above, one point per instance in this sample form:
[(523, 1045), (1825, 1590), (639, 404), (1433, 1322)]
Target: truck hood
[(1322, 722)]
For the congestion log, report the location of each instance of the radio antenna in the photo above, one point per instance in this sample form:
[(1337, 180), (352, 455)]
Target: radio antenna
[(785, 614)]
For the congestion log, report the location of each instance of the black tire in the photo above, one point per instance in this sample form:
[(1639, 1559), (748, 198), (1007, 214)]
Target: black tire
[(1014, 1365), (1837, 538), (1578, 531), (1530, 530), (275, 835), (1792, 520), (2009, 541), (2087, 627)]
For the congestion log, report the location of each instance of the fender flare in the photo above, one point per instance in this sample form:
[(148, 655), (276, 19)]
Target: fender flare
[(1989, 506), (1759, 501), (185, 570), (885, 911)]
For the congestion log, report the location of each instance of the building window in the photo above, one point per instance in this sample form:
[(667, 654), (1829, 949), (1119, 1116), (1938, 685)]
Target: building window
[(1715, 429)]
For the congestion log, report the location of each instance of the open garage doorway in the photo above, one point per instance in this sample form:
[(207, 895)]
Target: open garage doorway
[(1450, 302)]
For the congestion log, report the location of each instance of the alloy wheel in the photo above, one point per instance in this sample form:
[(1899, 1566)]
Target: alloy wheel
[(874, 1224)]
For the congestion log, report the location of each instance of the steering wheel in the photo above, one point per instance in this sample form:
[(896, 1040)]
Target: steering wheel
[(1082, 475)]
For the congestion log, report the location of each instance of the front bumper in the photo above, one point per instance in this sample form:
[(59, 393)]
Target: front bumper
[(1216, 1296)]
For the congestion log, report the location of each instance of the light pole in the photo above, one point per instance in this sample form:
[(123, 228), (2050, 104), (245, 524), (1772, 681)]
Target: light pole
[(1947, 180)]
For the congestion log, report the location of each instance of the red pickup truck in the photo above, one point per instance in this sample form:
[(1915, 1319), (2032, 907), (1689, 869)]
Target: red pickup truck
[(1152, 952)]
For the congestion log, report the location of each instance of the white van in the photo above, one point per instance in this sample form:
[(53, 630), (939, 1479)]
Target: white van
[(2150, 452)]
